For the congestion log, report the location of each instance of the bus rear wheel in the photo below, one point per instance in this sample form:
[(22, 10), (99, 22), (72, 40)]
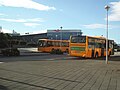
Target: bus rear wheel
[(67, 51), (53, 51)]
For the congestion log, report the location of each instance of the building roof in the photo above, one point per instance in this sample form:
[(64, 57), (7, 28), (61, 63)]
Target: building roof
[(64, 30)]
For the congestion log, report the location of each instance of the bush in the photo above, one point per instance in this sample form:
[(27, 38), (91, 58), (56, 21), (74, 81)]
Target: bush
[(11, 52)]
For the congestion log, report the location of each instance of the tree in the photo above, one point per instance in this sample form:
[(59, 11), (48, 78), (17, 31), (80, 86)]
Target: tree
[(4, 40)]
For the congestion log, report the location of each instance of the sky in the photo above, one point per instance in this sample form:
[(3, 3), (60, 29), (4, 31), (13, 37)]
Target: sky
[(38, 16)]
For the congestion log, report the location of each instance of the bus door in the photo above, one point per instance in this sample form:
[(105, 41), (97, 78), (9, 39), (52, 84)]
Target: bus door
[(92, 46), (102, 52), (93, 51), (102, 49)]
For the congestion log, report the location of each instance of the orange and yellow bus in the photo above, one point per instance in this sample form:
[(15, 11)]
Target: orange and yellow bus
[(90, 47), (48, 45)]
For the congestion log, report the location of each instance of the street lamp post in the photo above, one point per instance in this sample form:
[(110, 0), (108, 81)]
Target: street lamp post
[(61, 37), (107, 8), (56, 37)]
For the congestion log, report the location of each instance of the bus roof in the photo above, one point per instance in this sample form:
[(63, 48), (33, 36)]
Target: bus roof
[(99, 37), (52, 40)]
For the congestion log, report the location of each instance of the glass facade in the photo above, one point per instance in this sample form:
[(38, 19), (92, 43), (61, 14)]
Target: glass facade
[(62, 34)]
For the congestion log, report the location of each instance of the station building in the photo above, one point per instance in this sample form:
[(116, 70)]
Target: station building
[(62, 34), (31, 39)]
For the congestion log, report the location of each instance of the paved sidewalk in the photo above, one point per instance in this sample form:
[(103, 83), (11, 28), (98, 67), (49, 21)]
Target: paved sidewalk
[(60, 75)]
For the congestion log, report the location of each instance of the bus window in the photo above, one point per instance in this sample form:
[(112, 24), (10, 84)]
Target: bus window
[(91, 43), (41, 43), (111, 43), (74, 40), (81, 39), (65, 44), (49, 43), (78, 39), (57, 44)]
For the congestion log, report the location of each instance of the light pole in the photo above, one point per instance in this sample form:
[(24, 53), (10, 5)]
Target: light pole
[(107, 8), (56, 37), (61, 37)]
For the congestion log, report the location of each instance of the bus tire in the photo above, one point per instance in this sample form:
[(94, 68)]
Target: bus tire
[(59, 51), (96, 55), (53, 51)]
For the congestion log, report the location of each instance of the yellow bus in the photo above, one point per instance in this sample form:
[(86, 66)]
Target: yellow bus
[(90, 47), (48, 45)]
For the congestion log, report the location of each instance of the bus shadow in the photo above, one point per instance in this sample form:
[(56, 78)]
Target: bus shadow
[(111, 58)]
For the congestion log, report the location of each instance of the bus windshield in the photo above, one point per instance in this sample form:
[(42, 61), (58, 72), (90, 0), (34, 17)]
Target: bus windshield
[(41, 43), (78, 39)]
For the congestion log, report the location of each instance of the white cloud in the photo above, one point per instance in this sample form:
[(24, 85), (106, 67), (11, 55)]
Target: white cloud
[(115, 11), (25, 4), (31, 24), (100, 26), (39, 31), (27, 22), (1, 14), (23, 20), (61, 10), (95, 26), (6, 30), (34, 32), (12, 20), (35, 20)]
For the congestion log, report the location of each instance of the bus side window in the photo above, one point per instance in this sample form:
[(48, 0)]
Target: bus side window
[(49, 43), (40, 43), (110, 44), (97, 45), (90, 45), (65, 44), (100, 45), (74, 40), (57, 44)]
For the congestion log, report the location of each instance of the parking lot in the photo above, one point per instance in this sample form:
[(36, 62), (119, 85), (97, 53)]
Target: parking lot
[(59, 72)]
